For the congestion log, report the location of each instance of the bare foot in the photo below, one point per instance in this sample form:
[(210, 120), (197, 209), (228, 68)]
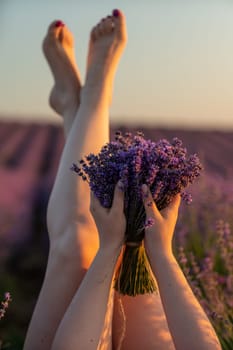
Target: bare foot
[(58, 48), (107, 42)]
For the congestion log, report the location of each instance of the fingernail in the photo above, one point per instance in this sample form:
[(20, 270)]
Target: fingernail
[(59, 24), (120, 185), (116, 13), (145, 191)]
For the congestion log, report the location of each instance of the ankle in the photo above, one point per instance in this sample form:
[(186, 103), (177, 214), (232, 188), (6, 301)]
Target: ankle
[(96, 93)]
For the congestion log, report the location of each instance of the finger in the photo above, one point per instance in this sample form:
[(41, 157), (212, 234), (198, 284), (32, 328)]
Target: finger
[(173, 208), (149, 204), (119, 20), (95, 205), (118, 199), (93, 202)]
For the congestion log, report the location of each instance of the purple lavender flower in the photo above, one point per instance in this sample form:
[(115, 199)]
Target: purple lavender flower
[(149, 222), (5, 304), (165, 167), (187, 197), (211, 279)]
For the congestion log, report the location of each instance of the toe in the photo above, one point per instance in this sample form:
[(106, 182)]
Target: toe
[(66, 37), (100, 28), (94, 35), (116, 22), (56, 24), (52, 36), (108, 24), (55, 28), (120, 23)]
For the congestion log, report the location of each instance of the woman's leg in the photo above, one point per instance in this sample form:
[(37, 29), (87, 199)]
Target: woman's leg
[(73, 236), (64, 98), (140, 323)]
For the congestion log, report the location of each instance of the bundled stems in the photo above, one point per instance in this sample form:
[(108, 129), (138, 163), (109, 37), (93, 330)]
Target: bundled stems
[(133, 275)]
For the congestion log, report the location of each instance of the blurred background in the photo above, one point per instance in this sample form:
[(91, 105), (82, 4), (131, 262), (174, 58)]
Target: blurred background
[(175, 79)]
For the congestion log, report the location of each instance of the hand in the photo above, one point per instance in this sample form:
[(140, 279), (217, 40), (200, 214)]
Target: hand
[(158, 237), (111, 223)]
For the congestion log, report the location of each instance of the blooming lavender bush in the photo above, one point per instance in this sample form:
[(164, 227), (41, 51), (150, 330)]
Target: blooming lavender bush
[(4, 306), (211, 279), (164, 167)]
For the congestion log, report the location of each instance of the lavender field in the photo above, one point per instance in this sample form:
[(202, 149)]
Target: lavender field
[(29, 156)]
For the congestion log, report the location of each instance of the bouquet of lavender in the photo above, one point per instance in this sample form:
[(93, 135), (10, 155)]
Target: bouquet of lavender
[(164, 167)]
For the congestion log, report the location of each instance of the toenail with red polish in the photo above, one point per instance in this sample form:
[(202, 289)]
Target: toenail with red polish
[(59, 24), (116, 13)]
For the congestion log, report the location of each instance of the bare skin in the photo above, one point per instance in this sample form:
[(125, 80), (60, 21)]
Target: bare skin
[(91, 299), (73, 236), (71, 227), (108, 40), (72, 231), (58, 48), (189, 325)]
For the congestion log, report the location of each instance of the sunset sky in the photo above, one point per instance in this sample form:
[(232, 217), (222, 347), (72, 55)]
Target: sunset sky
[(177, 69)]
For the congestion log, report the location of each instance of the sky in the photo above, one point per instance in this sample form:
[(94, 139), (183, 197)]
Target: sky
[(177, 70)]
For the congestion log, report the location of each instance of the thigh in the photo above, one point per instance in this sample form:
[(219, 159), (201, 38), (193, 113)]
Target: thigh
[(105, 342), (145, 324)]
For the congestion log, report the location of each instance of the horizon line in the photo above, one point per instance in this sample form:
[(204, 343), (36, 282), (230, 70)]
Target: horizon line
[(120, 123)]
